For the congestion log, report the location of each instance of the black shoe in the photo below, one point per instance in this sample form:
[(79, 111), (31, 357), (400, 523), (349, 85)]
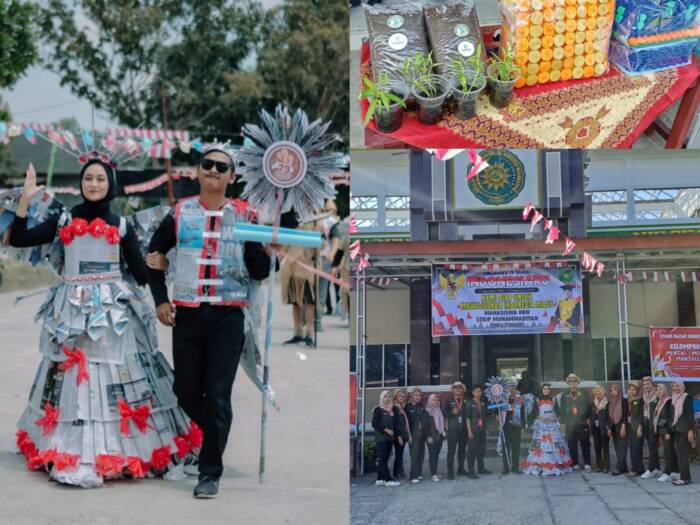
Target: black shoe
[(516, 471), (308, 340), (294, 340), (450, 476), (207, 487), (471, 475), (484, 471), (505, 472), (461, 472)]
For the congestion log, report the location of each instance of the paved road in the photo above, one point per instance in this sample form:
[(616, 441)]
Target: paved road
[(307, 443), (576, 498)]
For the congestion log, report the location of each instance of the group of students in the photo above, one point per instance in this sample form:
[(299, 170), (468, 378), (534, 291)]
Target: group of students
[(561, 425)]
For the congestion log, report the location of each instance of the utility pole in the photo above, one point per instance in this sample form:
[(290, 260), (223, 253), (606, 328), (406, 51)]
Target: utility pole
[(168, 167)]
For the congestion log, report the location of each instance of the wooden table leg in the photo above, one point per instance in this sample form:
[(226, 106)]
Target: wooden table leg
[(684, 117)]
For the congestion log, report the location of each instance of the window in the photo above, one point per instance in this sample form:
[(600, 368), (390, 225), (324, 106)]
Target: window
[(366, 211), (394, 365), (397, 211), (609, 206), (657, 204), (374, 364), (353, 358)]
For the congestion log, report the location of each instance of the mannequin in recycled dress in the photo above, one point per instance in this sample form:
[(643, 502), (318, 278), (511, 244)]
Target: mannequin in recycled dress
[(101, 405), (548, 454)]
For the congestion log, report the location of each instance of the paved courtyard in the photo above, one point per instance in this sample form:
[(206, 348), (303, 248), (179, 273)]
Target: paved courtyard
[(306, 479), (576, 498)]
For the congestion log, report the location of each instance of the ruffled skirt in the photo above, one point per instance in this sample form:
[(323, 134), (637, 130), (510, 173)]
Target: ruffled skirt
[(102, 405), (548, 454)]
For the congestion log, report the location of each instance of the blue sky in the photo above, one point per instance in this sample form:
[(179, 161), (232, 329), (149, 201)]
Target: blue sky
[(38, 97)]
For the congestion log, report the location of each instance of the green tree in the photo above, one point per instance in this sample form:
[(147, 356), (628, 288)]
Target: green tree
[(304, 58), (17, 49), (121, 54)]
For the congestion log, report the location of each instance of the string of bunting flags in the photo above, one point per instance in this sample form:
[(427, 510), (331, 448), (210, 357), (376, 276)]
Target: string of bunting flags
[(588, 261)]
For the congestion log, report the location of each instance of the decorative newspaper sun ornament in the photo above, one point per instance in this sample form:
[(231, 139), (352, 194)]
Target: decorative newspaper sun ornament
[(497, 390), (284, 166)]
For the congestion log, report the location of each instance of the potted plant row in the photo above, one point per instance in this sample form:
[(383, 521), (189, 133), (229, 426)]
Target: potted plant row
[(427, 91)]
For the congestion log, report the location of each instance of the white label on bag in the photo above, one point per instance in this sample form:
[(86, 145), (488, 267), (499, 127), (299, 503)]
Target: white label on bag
[(398, 41), (461, 30), (395, 21), (466, 48)]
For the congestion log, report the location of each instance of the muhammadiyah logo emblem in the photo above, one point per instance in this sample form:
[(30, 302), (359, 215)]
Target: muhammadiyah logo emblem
[(502, 181)]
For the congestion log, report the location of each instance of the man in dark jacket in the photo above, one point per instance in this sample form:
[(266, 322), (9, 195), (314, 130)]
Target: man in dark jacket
[(575, 413), (512, 431), (476, 432), (456, 419)]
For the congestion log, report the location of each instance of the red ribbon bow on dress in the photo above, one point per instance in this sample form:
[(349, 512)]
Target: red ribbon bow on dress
[(546, 438), (75, 357), (138, 415), (137, 467), (109, 464), (50, 419), (64, 461), (189, 441), (160, 458)]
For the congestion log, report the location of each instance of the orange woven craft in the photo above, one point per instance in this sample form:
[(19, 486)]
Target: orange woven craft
[(557, 39)]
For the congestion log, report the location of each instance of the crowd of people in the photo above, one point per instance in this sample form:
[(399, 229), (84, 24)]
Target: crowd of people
[(561, 426)]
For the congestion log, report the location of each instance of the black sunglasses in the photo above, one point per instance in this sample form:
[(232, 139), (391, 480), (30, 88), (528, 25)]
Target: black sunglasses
[(221, 167)]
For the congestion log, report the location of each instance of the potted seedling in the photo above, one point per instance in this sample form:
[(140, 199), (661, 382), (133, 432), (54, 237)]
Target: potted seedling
[(386, 103), (430, 89), (469, 82), (502, 74)]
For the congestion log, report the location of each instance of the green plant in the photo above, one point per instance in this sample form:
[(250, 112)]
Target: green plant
[(469, 71), (380, 97), (503, 67), (418, 72)]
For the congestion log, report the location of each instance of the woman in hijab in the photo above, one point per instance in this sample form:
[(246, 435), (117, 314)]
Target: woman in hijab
[(97, 343), (663, 414), (650, 399), (618, 412), (635, 433), (601, 441), (682, 425), (384, 426), (436, 434), (403, 431)]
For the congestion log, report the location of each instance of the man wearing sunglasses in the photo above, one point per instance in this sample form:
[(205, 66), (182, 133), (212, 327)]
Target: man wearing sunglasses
[(210, 291)]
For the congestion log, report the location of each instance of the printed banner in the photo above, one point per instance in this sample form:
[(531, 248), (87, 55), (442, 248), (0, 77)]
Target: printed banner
[(512, 298), (675, 353)]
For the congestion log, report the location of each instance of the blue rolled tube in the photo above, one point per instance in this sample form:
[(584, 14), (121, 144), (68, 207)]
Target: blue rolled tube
[(287, 236)]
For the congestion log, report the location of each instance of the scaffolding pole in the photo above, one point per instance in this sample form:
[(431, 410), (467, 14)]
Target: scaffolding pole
[(627, 325), (360, 345), (619, 323)]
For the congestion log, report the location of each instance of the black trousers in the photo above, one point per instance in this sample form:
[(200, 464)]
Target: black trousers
[(417, 456), (207, 344), (670, 458), (477, 451), (579, 436), (398, 460), (636, 447), (653, 445), (620, 444), (456, 441), (383, 453), (683, 454), (601, 443), (512, 435), (434, 455)]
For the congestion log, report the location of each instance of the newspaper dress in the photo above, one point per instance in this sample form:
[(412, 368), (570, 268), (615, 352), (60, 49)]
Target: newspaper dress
[(548, 454), (101, 405)]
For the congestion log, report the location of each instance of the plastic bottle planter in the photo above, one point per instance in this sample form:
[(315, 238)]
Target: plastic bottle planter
[(430, 108), (500, 92), (389, 119), (464, 105)]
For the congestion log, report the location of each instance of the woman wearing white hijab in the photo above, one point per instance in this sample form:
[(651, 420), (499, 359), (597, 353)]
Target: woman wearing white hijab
[(663, 414), (384, 431), (436, 433), (682, 427)]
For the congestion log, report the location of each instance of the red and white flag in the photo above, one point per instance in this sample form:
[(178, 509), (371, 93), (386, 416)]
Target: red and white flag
[(552, 236), (536, 217), (527, 210), (477, 164), (569, 246)]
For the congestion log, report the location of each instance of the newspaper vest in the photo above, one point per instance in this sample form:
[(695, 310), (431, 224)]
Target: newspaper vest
[(205, 240), (90, 259)]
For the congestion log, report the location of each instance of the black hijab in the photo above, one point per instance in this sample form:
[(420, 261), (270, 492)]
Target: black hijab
[(90, 210)]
